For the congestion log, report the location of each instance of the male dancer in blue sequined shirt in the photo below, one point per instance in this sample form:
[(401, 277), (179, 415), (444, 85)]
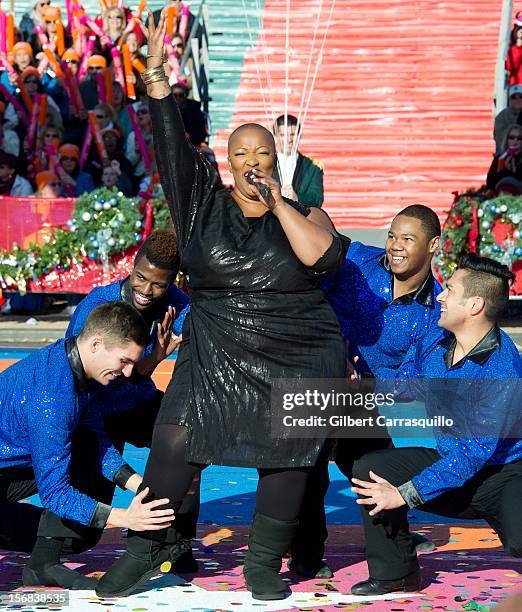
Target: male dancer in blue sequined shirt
[(131, 407), (385, 300), (474, 474), (43, 399)]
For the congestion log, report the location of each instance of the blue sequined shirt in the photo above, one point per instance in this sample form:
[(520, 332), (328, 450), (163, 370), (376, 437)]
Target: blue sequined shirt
[(380, 330), (493, 402), (40, 407)]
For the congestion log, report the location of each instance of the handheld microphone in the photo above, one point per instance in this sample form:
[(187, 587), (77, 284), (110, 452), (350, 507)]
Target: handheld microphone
[(263, 189)]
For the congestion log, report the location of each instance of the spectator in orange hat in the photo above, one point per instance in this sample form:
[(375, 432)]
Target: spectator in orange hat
[(23, 57), (89, 87), (96, 63), (53, 28), (11, 183), (81, 181), (48, 185), (72, 60)]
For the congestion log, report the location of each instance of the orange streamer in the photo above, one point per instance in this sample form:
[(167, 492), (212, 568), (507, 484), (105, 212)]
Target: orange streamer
[(54, 63), (100, 145), (10, 32), (127, 67), (172, 16), (42, 114), (138, 65), (141, 8), (107, 75), (60, 43)]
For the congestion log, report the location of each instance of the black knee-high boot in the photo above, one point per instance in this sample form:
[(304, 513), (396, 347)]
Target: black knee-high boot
[(269, 540), (146, 553), (45, 567)]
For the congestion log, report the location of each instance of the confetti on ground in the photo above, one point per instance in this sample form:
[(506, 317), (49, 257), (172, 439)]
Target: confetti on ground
[(476, 581)]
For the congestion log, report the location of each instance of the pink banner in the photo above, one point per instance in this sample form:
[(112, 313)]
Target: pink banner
[(26, 220)]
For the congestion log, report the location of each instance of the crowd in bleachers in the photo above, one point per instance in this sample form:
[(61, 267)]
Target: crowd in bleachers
[(505, 172), (73, 107)]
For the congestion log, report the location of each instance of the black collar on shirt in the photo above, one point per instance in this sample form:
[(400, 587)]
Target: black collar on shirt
[(422, 295), (480, 353), (73, 356)]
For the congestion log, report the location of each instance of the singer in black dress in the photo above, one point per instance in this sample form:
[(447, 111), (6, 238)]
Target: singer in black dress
[(257, 314), (253, 269)]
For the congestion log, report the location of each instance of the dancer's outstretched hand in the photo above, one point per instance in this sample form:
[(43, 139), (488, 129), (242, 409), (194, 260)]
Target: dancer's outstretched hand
[(142, 516), (167, 342)]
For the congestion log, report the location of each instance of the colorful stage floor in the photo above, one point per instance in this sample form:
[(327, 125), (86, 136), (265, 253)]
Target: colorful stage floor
[(468, 571)]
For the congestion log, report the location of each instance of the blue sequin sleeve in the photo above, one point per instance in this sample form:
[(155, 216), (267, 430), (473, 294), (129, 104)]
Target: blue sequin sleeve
[(489, 418), (50, 428)]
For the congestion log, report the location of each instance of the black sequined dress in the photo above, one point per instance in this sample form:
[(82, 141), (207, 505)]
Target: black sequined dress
[(257, 313)]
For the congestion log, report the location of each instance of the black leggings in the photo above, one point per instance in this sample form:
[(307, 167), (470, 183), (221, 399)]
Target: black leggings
[(168, 474)]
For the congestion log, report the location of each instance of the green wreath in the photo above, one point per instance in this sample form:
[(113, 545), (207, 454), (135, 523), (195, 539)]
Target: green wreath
[(456, 229)]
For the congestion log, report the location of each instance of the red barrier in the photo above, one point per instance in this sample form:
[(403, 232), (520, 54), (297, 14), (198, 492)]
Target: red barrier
[(26, 220), (86, 275)]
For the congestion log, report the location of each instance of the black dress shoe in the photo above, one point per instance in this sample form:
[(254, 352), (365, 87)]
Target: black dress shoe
[(57, 575), (310, 570), (186, 564), (408, 584)]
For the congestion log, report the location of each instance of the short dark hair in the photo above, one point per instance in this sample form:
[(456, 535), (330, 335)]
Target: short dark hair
[(118, 323), (161, 249), (428, 218), (290, 120), (488, 279)]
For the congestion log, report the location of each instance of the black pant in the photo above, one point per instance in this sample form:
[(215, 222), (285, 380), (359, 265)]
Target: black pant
[(20, 524), (308, 545), (494, 494), (169, 475)]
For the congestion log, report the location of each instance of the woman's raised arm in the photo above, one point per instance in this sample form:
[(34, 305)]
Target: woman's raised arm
[(175, 157)]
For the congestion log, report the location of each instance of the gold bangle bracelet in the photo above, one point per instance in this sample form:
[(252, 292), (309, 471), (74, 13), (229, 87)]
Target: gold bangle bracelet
[(156, 79), (152, 71)]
